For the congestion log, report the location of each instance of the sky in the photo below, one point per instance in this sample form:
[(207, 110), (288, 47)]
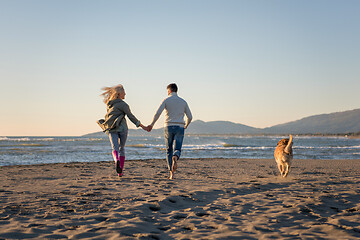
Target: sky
[(254, 62)]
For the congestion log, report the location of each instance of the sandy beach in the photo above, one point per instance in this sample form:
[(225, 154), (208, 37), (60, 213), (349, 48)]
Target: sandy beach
[(209, 199)]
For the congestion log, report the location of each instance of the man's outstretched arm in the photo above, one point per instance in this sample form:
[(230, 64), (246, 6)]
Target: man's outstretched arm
[(188, 116), (158, 113)]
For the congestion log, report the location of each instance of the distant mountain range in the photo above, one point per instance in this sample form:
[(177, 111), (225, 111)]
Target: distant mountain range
[(333, 123)]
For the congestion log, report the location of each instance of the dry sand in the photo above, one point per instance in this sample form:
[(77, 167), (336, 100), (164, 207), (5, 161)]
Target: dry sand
[(209, 199)]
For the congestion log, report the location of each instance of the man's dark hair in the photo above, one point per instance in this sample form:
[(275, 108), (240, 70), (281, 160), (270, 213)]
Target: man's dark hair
[(172, 87)]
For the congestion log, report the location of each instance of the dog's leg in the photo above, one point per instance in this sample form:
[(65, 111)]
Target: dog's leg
[(280, 169), (278, 165), (286, 170)]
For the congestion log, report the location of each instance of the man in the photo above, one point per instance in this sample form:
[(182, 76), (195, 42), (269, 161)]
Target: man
[(175, 108)]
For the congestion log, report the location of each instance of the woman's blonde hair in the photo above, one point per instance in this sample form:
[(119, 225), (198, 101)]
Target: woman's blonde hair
[(111, 93)]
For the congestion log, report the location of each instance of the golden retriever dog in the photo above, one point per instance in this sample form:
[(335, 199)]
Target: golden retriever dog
[(283, 155)]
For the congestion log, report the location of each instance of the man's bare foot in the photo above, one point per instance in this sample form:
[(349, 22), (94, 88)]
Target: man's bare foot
[(174, 163), (171, 175)]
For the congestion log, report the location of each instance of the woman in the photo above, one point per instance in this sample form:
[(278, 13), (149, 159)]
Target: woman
[(115, 125)]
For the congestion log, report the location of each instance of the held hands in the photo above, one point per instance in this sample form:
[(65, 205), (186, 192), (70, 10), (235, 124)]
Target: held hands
[(150, 128), (147, 128)]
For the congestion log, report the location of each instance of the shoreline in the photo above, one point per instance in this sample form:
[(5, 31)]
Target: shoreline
[(162, 159), (209, 198)]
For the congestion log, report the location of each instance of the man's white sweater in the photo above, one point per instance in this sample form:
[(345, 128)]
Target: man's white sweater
[(175, 108)]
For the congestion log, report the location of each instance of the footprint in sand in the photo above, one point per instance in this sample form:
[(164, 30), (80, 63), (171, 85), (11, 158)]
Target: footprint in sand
[(180, 216), (164, 228), (155, 207), (202, 214), (189, 228)]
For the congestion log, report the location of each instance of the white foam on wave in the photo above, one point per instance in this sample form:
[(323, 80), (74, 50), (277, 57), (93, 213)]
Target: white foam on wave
[(43, 139), (326, 147), (222, 147), (21, 139)]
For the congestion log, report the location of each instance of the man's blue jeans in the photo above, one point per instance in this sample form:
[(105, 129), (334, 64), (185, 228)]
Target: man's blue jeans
[(174, 135)]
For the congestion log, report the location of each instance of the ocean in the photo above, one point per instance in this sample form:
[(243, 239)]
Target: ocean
[(39, 150)]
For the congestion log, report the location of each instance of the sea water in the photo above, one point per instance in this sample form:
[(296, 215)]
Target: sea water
[(38, 150)]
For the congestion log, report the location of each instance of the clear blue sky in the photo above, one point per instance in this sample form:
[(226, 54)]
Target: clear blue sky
[(254, 62)]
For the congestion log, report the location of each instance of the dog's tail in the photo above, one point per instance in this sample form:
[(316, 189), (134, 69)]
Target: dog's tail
[(288, 146)]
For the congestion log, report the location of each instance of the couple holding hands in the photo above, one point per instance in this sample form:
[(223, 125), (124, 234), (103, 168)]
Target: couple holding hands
[(115, 125)]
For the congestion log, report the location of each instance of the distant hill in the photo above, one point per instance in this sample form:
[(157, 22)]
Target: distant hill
[(333, 123), (219, 127)]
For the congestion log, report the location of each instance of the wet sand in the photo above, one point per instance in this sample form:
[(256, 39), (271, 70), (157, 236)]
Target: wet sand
[(209, 199)]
